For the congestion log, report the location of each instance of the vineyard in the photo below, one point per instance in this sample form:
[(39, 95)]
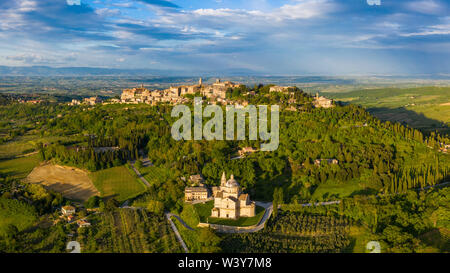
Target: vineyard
[(129, 231), (293, 233)]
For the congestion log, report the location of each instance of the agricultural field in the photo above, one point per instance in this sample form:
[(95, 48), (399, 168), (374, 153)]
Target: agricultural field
[(118, 182), (292, 232), (156, 175), (19, 168), (424, 108), (26, 144), (72, 183), (128, 231)]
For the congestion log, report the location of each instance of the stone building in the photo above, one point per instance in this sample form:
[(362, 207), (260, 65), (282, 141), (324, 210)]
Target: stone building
[(230, 202), (277, 88), (195, 193), (92, 100), (322, 102), (218, 89)]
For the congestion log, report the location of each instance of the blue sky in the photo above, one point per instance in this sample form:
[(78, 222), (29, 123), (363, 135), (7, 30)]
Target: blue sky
[(274, 37)]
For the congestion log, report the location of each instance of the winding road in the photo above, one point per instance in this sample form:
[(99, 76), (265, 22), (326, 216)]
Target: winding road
[(175, 230)]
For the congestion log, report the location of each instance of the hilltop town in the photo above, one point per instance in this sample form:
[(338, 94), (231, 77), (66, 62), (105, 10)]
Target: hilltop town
[(215, 93)]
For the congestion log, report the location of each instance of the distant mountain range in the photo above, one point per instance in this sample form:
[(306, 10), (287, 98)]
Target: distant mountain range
[(245, 73)]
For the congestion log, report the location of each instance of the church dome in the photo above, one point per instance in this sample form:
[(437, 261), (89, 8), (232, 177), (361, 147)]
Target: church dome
[(231, 183)]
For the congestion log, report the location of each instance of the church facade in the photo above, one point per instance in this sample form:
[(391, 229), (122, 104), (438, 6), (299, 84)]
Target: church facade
[(230, 202)]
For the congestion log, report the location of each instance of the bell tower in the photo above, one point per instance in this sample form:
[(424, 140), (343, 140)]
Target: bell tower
[(223, 180)]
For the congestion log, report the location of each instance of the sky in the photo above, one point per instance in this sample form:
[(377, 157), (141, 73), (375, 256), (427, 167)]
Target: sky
[(273, 37)]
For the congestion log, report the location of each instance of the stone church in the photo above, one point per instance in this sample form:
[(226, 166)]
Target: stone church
[(230, 202)]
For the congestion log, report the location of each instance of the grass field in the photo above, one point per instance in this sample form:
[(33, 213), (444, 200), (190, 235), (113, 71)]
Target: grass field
[(425, 108), (333, 190), (157, 175), (19, 168), (117, 182), (17, 213), (190, 237), (204, 213), (25, 144)]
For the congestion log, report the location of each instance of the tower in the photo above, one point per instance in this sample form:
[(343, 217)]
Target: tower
[(223, 181), (200, 81)]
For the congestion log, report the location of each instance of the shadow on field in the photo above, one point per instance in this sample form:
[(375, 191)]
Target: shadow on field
[(410, 118)]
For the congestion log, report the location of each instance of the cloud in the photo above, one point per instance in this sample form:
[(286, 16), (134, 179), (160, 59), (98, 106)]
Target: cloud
[(304, 10), (107, 12), (432, 30), (300, 9), (37, 58), (73, 2), (251, 34), (374, 2), (160, 3), (426, 6)]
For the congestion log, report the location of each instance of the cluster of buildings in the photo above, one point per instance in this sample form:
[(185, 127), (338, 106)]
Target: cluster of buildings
[(88, 101), (229, 201), (68, 212), (30, 101), (216, 93), (282, 89), (322, 102), (319, 101), (175, 94)]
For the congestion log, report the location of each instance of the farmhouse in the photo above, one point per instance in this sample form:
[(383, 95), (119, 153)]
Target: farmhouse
[(230, 202), (68, 210)]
